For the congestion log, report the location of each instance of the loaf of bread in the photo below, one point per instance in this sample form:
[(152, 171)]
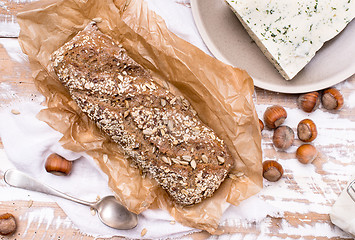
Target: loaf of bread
[(158, 132)]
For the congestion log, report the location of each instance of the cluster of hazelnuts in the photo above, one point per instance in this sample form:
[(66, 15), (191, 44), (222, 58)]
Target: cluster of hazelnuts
[(284, 136)]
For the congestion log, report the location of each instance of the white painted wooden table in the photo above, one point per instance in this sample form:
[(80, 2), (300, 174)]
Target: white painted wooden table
[(304, 195)]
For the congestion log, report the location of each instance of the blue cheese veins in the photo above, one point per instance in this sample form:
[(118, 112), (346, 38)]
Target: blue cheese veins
[(291, 32)]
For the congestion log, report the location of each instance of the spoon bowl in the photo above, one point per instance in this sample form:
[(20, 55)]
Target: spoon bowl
[(110, 211), (114, 215)]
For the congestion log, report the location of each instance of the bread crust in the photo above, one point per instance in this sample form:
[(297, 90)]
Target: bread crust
[(158, 132)]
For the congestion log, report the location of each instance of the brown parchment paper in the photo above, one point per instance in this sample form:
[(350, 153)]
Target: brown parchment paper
[(221, 95)]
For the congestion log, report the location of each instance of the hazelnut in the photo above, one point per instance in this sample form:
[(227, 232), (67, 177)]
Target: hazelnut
[(261, 125), (283, 137), (308, 102), (306, 153), (272, 170), (274, 116), (307, 130), (332, 99), (7, 224), (58, 165)]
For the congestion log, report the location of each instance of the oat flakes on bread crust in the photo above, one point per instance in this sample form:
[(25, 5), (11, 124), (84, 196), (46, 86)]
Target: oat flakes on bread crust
[(157, 131)]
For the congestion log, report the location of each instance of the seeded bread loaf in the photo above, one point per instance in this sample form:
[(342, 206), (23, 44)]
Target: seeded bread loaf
[(159, 132)]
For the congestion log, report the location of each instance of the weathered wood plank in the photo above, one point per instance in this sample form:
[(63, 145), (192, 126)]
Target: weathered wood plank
[(8, 11), (16, 82)]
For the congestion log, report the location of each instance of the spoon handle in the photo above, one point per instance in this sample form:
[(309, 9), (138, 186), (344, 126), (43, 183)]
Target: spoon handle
[(19, 179)]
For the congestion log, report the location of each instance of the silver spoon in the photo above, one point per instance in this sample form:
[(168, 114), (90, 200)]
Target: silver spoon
[(109, 210)]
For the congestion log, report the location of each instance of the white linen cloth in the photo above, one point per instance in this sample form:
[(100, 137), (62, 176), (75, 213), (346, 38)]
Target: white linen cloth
[(178, 18), (342, 213), (28, 141)]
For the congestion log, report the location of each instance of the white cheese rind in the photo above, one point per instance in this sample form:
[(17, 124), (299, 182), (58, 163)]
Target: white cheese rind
[(291, 32)]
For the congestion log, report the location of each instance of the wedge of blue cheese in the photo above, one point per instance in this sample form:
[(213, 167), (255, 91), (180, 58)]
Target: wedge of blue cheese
[(290, 32)]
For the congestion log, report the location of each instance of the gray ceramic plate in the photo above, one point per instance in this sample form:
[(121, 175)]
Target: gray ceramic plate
[(227, 40)]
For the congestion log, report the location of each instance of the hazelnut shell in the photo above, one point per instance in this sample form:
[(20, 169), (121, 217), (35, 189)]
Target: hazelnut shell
[(283, 137), (7, 224), (332, 99), (306, 153), (272, 170), (308, 102), (58, 165), (307, 130), (261, 124), (274, 116)]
